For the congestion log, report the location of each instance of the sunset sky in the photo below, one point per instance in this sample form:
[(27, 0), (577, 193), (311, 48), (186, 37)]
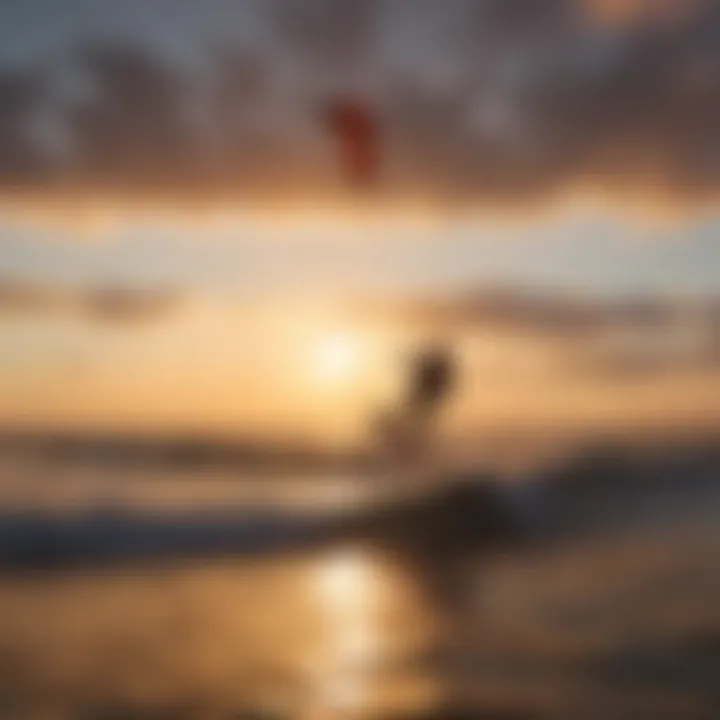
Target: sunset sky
[(179, 253)]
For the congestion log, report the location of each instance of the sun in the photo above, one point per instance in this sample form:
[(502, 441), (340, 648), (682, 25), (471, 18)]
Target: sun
[(338, 358)]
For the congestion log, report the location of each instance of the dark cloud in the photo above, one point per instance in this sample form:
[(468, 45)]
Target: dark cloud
[(134, 127), (328, 33), (488, 99), (110, 304), (22, 156), (585, 336), (554, 313)]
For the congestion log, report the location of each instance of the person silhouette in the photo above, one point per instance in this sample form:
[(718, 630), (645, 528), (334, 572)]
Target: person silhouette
[(406, 434), (432, 380)]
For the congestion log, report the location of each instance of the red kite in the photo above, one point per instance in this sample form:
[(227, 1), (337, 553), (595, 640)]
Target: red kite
[(356, 129)]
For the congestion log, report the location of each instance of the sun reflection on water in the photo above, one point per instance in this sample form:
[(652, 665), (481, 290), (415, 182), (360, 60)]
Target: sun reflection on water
[(348, 585)]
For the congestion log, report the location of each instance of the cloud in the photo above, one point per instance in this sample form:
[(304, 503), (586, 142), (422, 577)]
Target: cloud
[(490, 100), (573, 337), (624, 13), (101, 304), (133, 129), (22, 156)]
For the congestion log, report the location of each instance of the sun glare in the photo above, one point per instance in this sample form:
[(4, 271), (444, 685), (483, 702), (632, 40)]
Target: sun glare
[(338, 358)]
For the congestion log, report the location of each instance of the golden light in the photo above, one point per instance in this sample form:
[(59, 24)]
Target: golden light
[(338, 358), (348, 586)]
